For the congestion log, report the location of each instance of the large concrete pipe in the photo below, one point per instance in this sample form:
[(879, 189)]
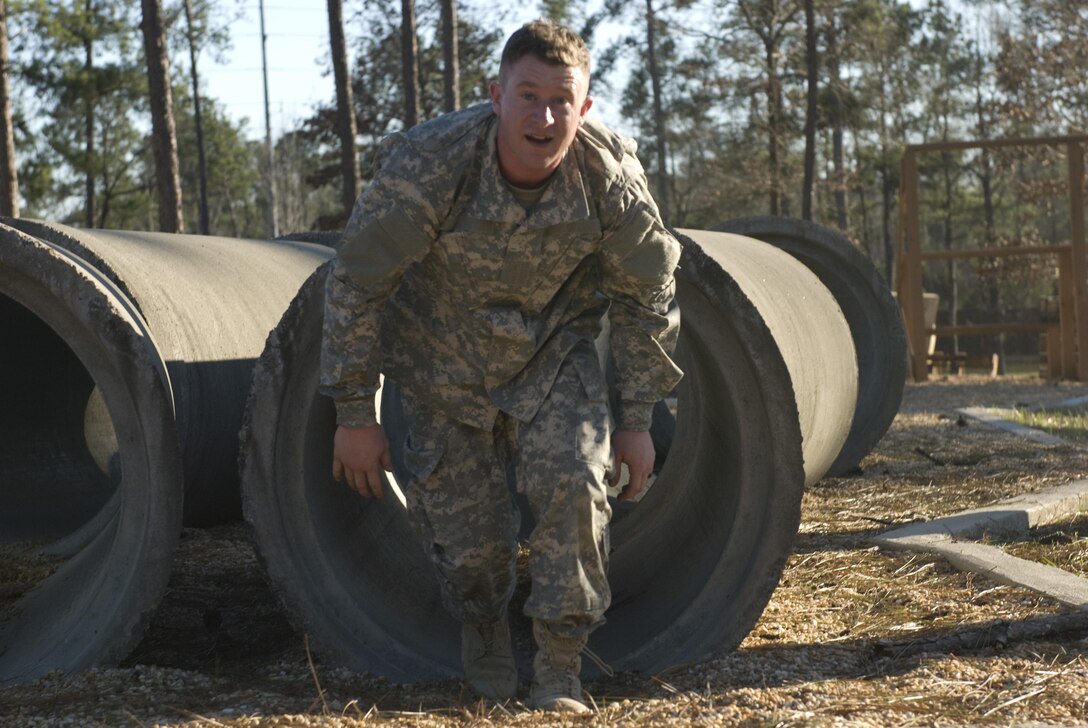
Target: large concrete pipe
[(693, 563), (123, 373), (208, 303), (870, 309)]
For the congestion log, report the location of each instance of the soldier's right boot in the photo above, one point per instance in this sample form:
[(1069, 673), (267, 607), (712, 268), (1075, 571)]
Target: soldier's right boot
[(556, 668), (487, 658)]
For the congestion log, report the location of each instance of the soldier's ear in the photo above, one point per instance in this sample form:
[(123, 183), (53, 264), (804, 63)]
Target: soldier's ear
[(585, 108), (496, 96)]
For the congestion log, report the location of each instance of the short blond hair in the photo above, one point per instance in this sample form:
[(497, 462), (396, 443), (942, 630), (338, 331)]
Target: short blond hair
[(550, 42)]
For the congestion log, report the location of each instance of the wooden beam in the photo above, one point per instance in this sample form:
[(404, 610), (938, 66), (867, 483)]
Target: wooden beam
[(910, 292), (1075, 157), (1016, 327), (1021, 250), (1051, 141)]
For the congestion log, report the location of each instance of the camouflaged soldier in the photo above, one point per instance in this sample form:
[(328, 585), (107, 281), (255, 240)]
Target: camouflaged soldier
[(475, 272)]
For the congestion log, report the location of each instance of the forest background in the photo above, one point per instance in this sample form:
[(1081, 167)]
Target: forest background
[(740, 107)]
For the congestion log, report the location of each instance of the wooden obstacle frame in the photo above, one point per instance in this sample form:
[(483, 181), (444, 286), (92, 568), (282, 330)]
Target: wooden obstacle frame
[(1066, 358)]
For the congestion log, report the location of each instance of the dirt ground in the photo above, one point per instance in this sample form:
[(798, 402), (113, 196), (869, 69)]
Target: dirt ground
[(854, 636)]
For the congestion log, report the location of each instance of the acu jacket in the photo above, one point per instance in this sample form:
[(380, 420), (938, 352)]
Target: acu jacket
[(445, 284)]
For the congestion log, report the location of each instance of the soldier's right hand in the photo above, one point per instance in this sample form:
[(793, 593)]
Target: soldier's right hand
[(357, 453)]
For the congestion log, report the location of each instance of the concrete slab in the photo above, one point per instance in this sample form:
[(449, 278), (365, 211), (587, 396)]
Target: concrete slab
[(1010, 517), (1004, 568), (994, 419), (952, 538)]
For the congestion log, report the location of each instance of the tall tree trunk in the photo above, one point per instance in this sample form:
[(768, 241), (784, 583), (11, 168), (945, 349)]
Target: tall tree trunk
[(409, 62), (768, 19), (9, 181), (997, 305), (812, 70), (774, 114), (345, 110), (164, 139), (273, 212), (202, 165), (659, 114), (886, 182), (89, 101), (451, 64), (838, 122)]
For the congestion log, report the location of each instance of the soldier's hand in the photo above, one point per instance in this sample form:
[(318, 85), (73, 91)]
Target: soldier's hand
[(637, 450), (357, 455)]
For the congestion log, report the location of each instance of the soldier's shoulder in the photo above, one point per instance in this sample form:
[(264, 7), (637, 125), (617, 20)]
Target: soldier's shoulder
[(450, 132), (607, 152), (436, 148)]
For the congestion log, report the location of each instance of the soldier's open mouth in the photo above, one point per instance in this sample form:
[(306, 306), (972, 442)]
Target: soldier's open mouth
[(538, 140)]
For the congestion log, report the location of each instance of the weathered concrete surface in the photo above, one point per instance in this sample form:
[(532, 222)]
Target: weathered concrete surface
[(867, 303), (125, 368), (982, 414), (810, 331), (93, 607), (208, 303), (693, 564), (951, 537)]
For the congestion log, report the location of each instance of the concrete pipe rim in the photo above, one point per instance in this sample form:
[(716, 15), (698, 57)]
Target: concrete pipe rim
[(93, 609), (870, 310), (306, 529)]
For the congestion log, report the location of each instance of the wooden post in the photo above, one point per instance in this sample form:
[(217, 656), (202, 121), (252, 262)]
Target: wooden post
[(910, 292), (1075, 158), (1065, 366)]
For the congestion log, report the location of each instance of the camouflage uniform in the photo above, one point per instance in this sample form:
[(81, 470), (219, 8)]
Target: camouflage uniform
[(485, 315)]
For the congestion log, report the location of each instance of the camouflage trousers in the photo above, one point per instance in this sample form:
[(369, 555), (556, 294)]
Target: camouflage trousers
[(460, 501)]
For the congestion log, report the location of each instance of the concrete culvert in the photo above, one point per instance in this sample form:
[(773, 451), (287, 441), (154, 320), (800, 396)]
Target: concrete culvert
[(208, 303), (693, 564), (89, 463), (125, 368), (876, 325)]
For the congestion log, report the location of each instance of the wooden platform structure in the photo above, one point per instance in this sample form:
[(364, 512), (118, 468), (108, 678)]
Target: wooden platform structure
[(1067, 357)]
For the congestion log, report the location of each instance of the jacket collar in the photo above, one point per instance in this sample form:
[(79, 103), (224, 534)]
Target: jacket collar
[(563, 201)]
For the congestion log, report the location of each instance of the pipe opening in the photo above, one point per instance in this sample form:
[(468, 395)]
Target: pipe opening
[(374, 550), (58, 453), (692, 565)]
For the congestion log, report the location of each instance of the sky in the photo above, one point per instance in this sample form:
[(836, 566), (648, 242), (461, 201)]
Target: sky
[(298, 52)]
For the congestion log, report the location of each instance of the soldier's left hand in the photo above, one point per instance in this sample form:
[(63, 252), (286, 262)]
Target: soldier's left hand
[(636, 449)]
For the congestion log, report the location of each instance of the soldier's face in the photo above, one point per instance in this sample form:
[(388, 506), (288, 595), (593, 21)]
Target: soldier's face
[(540, 107)]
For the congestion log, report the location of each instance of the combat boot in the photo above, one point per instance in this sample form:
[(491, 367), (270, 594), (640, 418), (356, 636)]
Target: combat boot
[(488, 659), (558, 662)]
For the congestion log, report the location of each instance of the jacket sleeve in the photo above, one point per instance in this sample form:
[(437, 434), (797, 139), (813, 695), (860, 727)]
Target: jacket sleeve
[(639, 257), (394, 224)]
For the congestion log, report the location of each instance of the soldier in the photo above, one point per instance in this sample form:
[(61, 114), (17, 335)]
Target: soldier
[(475, 272)]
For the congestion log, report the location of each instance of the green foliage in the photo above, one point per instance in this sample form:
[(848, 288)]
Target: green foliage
[(378, 92), (236, 201), (732, 75), (83, 63), (1070, 423)]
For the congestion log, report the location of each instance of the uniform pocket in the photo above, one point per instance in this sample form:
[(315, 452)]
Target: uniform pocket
[(425, 441), (421, 456), (592, 432)]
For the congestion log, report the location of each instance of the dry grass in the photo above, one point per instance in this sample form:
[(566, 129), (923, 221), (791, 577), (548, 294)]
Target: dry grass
[(831, 648), (21, 568), (1063, 545)]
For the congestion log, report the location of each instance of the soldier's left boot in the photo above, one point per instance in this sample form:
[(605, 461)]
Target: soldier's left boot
[(488, 659), (556, 667)]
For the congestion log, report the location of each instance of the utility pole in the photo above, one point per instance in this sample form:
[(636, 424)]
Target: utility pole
[(273, 214)]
